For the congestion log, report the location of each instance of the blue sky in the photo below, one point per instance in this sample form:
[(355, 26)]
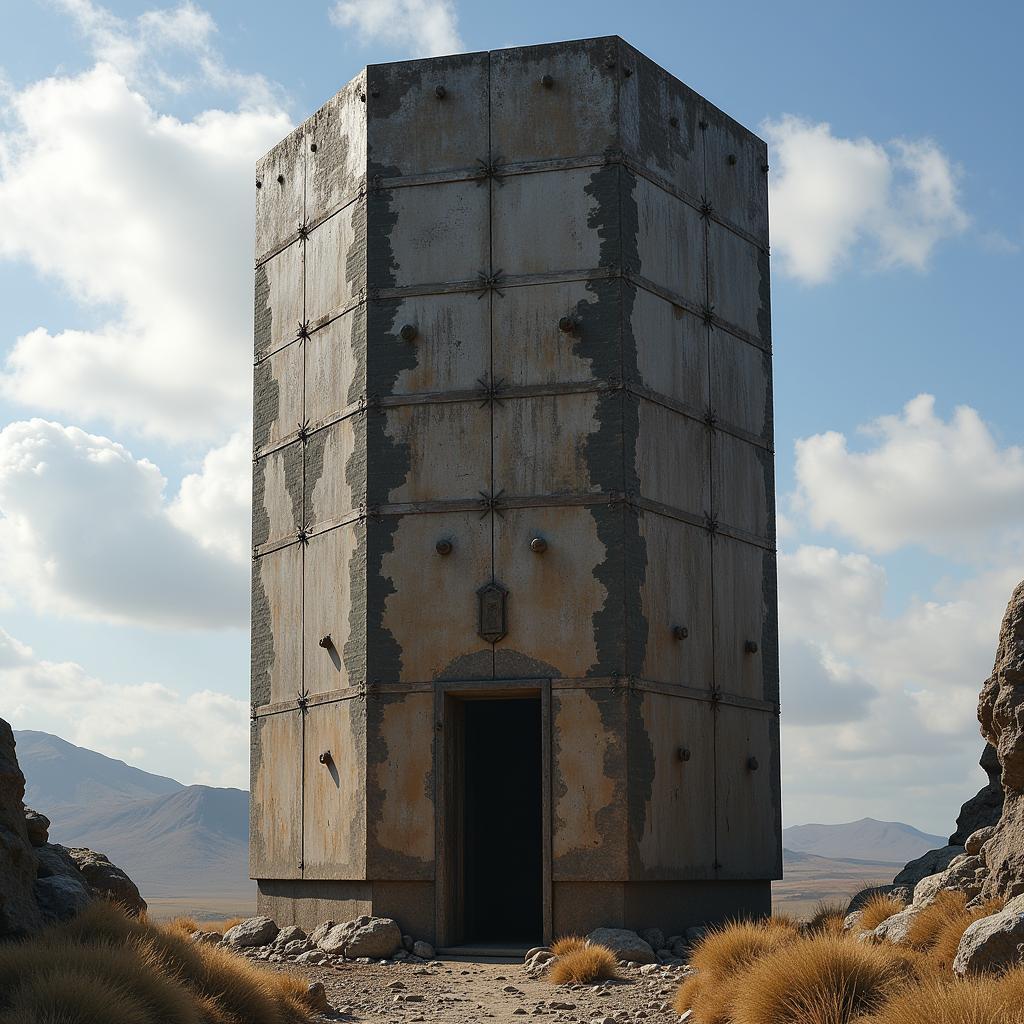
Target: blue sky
[(128, 134)]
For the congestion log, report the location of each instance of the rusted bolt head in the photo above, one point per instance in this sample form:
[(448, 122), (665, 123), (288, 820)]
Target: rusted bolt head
[(362, 97), (684, 753), (440, 92), (538, 545), (259, 184), (750, 647), (566, 324), (280, 179), (326, 641), (408, 332), (443, 547), (674, 121), (547, 81), (325, 757), (731, 159), (312, 147), (752, 764), (680, 632)]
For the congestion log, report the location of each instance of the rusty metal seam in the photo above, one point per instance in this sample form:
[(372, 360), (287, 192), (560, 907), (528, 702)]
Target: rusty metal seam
[(305, 228), (311, 700)]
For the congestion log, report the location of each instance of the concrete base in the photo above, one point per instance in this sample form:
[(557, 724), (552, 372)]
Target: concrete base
[(578, 907)]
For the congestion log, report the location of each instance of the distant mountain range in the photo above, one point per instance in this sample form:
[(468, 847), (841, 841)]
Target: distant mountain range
[(889, 842), (173, 840)]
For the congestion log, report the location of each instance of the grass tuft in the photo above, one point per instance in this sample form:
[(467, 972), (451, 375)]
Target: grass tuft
[(584, 965), (721, 957), (567, 944), (106, 968), (824, 979), (828, 917), (946, 1000), (879, 908)]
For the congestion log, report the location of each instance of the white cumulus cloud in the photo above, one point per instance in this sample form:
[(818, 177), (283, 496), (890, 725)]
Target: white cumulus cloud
[(198, 738), (424, 28), (87, 530), (832, 197), (945, 485), (150, 217)]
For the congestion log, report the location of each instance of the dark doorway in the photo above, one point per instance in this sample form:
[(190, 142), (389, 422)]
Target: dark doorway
[(501, 826)]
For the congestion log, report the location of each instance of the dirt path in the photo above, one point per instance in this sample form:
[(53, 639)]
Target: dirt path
[(461, 992)]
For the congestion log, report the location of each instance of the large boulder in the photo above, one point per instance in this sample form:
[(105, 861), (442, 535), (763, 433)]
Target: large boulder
[(931, 863), (993, 943), (61, 889), (375, 937), (625, 944), (1001, 714), (253, 931), (19, 912), (38, 827), (986, 805), (108, 880)]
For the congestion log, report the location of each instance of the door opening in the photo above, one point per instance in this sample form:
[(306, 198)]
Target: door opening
[(501, 828)]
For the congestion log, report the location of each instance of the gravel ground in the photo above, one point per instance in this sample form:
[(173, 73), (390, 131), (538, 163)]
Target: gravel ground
[(450, 991)]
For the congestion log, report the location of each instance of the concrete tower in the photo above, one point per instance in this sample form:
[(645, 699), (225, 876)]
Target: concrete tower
[(514, 636)]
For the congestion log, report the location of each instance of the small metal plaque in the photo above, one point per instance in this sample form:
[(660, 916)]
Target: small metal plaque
[(492, 624)]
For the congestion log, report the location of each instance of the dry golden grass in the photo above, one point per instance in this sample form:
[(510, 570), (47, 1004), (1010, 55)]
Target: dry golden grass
[(822, 979), (106, 968), (879, 908), (184, 924), (220, 926), (584, 965), (721, 957), (944, 1000), (567, 944), (828, 916)]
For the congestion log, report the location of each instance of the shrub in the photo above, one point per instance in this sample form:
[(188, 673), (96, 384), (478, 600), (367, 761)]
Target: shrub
[(720, 957), (184, 924), (567, 944), (584, 965), (938, 929), (879, 908), (106, 968), (945, 1000), (823, 979)]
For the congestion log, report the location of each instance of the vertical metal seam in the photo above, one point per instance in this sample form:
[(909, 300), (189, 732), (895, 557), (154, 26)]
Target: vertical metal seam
[(490, 335), (708, 328), (302, 547)]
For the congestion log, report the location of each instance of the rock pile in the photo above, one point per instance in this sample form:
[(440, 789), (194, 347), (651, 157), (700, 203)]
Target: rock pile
[(363, 940), (648, 950), (42, 882)]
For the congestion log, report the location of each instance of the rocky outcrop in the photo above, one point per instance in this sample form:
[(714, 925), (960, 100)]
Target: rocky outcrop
[(928, 864), (19, 912), (993, 943), (1001, 714), (108, 880), (986, 805), (42, 882)]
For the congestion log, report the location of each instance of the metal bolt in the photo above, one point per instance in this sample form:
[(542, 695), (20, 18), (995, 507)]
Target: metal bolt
[(547, 81), (674, 121), (408, 332), (752, 764), (326, 641), (567, 324), (440, 92), (764, 168), (325, 757), (259, 184), (443, 547), (280, 179), (684, 753), (680, 632), (750, 647), (731, 159), (362, 97), (538, 545), (627, 72), (312, 147)]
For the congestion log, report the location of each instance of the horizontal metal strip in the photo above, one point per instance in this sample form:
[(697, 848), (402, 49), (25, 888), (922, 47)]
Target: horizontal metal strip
[(484, 506), (275, 347), (306, 227), (621, 683), (337, 313), (308, 701)]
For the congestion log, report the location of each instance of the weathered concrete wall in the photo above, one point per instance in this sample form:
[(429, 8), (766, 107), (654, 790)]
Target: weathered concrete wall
[(512, 327)]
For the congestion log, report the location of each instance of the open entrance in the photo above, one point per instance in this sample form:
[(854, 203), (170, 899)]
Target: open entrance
[(501, 822)]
